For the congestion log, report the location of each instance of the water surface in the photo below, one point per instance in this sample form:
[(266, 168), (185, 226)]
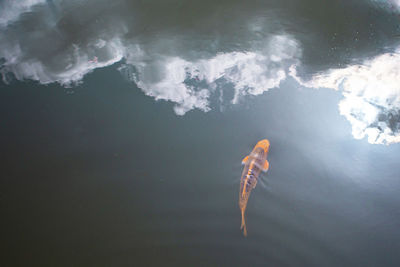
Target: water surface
[(99, 173)]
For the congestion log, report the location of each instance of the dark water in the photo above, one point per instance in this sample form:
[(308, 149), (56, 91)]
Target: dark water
[(99, 174), (107, 177)]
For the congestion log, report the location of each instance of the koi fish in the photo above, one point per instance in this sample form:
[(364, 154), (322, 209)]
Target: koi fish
[(253, 165)]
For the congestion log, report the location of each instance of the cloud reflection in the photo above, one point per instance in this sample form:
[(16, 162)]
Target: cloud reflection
[(190, 61)]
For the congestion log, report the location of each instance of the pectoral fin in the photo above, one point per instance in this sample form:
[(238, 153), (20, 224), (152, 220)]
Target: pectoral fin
[(266, 166), (245, 160)]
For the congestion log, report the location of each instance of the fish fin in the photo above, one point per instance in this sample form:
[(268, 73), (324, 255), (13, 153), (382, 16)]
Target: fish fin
[(245, 159), (255, 183), (243, 226), (245, 230), (266, 166)]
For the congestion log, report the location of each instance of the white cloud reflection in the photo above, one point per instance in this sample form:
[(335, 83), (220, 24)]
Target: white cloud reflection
[(189, 84), (10, 10), (371, 96), (49, 54), (393, 5)]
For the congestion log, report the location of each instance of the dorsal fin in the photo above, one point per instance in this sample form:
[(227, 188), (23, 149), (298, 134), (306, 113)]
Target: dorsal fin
[(266, 166)]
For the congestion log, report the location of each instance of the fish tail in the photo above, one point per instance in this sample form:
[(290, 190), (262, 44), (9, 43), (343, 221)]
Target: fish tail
[(243, 226)]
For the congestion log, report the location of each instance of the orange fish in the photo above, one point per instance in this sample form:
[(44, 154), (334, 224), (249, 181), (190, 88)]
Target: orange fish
[(253, 165)]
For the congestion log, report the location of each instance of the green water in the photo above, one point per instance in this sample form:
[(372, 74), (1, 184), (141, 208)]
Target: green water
[(100, 174), (106, 176)]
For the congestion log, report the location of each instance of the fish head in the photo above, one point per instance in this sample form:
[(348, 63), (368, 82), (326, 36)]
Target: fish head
[(264, 144)]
